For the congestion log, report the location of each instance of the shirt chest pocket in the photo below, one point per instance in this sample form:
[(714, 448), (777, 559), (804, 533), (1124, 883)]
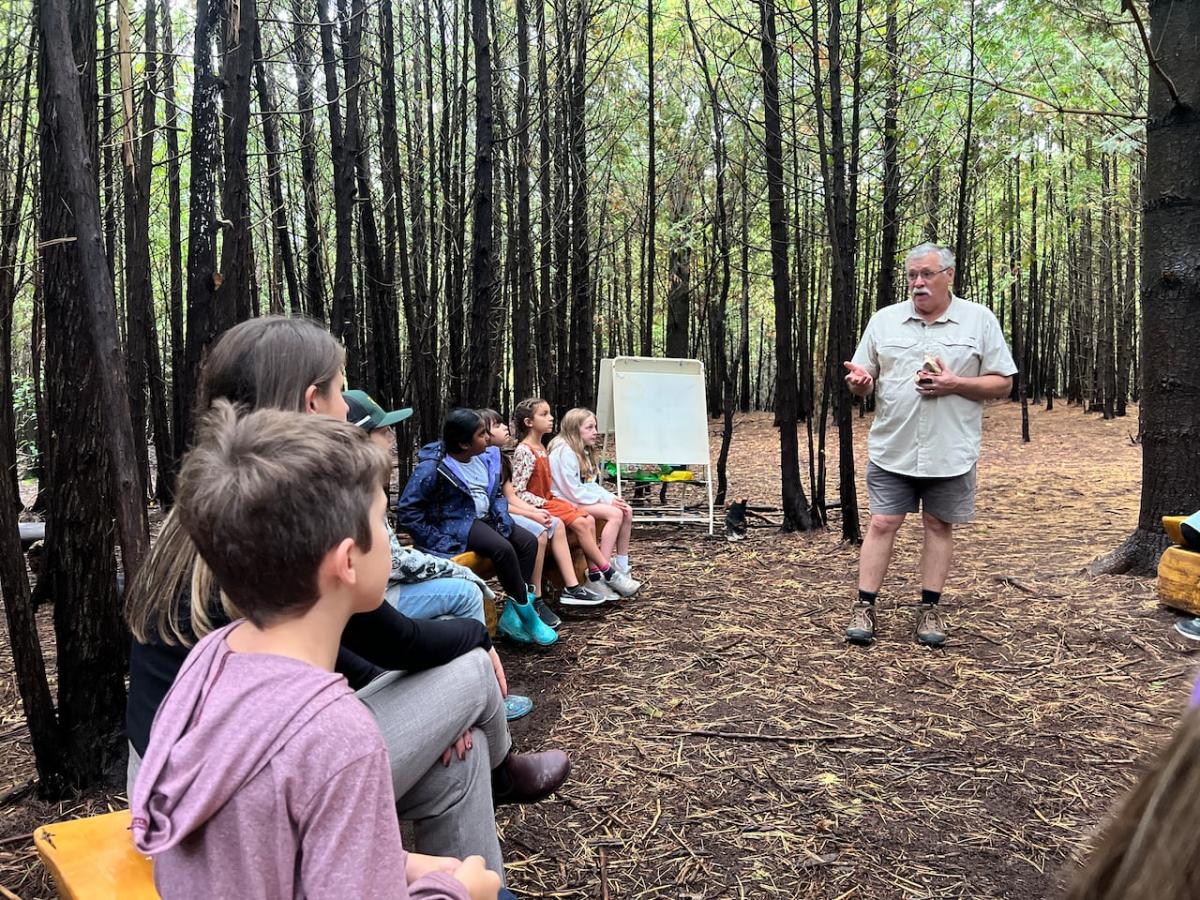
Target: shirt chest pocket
[(961, 353), (899, 357)]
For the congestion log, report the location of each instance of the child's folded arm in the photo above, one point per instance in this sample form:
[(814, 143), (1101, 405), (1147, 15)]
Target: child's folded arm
[(391, 640)]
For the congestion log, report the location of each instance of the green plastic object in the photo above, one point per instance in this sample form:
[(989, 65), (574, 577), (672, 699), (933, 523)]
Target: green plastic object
[(648, 473)]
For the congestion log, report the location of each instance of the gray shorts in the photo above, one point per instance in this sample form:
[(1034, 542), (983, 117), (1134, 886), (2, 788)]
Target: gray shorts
[(949, 499), (536, 528)]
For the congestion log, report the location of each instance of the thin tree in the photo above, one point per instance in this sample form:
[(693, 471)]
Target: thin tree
[(795, 506)]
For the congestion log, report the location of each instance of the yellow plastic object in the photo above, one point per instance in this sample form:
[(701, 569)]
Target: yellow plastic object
[(95, 858), (1174, 532), (1179, 579), (678, 475), (482, 566)]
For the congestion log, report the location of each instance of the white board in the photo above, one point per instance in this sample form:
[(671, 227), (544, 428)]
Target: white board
[(659, 410)]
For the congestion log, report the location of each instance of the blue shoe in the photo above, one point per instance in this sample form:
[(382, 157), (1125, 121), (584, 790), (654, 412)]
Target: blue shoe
[(520, 623), (542, 634), (516, 707), (1189, 628), (511, 626)]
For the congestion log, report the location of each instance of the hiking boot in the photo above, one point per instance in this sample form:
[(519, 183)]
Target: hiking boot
[(520, 623), (529, 777), (861, 629), (1189, 628), (622, 583), (931, 630), (546, 614), (582, 595)]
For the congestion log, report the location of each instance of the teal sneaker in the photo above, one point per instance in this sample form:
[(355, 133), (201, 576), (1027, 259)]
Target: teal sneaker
[(1189, 628), (516, 706)]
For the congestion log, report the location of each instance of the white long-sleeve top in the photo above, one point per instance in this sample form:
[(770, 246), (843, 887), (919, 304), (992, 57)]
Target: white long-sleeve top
[(566, 483)]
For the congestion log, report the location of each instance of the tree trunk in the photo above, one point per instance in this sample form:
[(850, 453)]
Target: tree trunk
[(485, 288), (343, 317), (237, 244), (275, 162), (582, 288), (206, 317), (1170, 291), (92, 468), (795, 506), (890, 226), (651, 185)]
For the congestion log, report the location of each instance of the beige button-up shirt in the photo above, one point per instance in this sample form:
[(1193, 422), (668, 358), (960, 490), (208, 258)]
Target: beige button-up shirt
[(929, 437)]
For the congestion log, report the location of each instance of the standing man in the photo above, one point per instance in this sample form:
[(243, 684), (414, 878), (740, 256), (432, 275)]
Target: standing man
[(931, 362)]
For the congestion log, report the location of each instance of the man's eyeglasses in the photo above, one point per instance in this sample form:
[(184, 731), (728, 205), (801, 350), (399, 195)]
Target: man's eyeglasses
[(925, 274)]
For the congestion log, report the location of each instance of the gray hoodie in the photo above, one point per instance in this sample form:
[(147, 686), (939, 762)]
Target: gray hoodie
[(265, 777)]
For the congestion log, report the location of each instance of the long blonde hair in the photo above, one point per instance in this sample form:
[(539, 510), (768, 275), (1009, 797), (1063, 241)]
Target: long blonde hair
[(569, 435), (265, 363)]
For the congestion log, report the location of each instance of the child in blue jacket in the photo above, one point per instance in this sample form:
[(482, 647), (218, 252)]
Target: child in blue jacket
[(454, 503)]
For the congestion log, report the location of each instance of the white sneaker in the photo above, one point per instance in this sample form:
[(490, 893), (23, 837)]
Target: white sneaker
[(602, 587), (623, 584)]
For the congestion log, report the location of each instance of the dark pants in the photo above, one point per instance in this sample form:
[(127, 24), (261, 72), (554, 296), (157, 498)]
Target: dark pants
[(513, 556)]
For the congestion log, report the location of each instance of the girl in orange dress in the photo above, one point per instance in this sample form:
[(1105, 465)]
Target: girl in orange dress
[(532, 421)]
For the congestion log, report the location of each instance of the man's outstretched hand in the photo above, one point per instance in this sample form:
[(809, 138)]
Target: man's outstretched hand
[(858, 379)]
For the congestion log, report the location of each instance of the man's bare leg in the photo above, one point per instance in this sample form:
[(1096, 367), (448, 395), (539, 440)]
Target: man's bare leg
[(872, 566), (877, 551), (936, 552)]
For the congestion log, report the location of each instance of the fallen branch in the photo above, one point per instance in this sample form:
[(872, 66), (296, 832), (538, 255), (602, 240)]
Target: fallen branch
[(746, 736)]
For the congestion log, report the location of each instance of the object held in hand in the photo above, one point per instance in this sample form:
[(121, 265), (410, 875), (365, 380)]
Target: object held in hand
[(929, 367)]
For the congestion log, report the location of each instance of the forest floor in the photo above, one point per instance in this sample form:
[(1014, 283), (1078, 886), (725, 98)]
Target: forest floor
[(728, 743)]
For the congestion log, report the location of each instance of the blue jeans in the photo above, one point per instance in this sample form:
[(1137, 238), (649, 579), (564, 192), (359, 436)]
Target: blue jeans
[(437, 597)]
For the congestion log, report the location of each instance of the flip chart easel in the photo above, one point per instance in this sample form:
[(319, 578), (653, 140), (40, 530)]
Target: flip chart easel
[(656, 410)]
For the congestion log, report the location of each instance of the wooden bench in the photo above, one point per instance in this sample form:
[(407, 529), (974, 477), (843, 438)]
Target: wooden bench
[(1179, 570), (94, 859), (482, 566)]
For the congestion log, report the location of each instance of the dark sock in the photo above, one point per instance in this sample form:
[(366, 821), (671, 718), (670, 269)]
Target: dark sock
[(501, 780), (866, 596), (928, 596), (608, 572)]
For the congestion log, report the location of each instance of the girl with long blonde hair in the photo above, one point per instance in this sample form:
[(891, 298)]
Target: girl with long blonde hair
[(575, 478)]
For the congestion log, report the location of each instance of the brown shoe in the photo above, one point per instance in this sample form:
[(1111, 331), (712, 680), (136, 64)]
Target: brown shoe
[(861, 629), (529, 777), (931, 630)]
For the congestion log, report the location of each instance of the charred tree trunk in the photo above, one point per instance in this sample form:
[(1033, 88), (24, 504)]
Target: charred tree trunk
[(279, 212), (485, 287), (890, 226), (92, 468), (795, 506), (343, 318), (207, 316), (237, 245), (651, 186), (314, 261), (1170, 289)]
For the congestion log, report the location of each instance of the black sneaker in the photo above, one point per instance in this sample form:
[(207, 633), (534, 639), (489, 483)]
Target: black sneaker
[(582, 595), (546, 614), (861, 629)]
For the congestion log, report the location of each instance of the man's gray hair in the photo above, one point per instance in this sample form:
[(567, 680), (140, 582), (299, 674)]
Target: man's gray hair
[(945, 255)]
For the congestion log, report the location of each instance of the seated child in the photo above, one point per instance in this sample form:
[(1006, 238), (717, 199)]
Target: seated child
[(575, 478), (264, 776), (532, 421), (453, 503), (423, 586), (541, 525)]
